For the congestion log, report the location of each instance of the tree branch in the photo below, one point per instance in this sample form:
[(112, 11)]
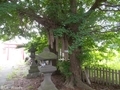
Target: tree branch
[(108, 10), (96, 5), (44, 21), (73, 6), (114, 29), (108, 5)]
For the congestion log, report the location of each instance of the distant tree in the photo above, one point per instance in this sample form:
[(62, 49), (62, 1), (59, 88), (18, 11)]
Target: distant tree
[(79, 25)]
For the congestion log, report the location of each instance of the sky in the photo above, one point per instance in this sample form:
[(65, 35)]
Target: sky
[(16, 41)]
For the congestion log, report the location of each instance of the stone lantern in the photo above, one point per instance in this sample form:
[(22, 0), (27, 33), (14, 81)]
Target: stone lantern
[(47, 69), (33, 71)]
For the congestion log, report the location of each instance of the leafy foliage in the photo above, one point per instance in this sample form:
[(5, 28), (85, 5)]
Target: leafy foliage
[(38, 42), (59, 32), (63, 66), (94, 28)]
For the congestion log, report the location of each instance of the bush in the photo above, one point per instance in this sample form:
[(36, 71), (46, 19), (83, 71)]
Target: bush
[(64, 67)]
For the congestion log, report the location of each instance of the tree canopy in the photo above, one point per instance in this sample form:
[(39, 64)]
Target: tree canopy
[(20, 16)]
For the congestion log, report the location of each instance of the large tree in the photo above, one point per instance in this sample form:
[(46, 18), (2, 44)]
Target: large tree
[(75, 23)]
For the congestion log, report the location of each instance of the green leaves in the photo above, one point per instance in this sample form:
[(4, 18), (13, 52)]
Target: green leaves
[(72, 19), (59, 32), (64, 67), (38, 42), (7, 7), (86, 30)]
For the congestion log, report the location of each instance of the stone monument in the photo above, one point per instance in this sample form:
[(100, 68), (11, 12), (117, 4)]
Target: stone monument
[(33, 71), (46, 56)]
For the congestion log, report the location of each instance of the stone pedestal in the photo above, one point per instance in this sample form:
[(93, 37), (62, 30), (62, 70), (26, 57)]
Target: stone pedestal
[(47, 84), (33, 71)]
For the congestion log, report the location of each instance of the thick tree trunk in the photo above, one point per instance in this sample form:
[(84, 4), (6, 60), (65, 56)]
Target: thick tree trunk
[(74, 61), (75, 64), (76, 72)]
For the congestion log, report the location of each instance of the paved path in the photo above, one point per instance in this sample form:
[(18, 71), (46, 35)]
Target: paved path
[(6, 68), (4, 74)]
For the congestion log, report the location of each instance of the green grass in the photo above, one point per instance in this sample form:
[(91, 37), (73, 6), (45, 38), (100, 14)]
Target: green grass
[(12, 75), (20, 71), (30, 88)]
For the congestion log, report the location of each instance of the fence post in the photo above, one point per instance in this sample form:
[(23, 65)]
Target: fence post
[(116, 79), (97, 75), (119, 76), (87, 76), (113, 77), (109, 78), (103, 76)]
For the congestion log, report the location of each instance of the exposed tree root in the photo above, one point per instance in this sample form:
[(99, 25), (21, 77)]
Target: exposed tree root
[(83, 85), (71, 83)]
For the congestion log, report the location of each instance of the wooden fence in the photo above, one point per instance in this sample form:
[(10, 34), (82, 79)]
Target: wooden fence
[(103, 76)]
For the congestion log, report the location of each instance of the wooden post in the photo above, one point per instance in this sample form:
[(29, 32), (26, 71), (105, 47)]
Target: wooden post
[(88, 68), (119, 76), (116, 79), (94, 74), (103, 76), (23, 54), (106, 81), (109, 78), (87, 76), (8, 53), (100, 75), (113, 77), (97, 75)]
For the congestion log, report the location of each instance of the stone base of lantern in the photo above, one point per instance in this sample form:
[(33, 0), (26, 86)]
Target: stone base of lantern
[(33, 72), (47, 84)]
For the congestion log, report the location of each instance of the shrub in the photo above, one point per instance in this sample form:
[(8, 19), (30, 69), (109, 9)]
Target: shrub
[(64, 67)]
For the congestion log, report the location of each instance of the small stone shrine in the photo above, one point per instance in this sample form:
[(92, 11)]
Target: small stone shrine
[(33, 71), (46, 57)]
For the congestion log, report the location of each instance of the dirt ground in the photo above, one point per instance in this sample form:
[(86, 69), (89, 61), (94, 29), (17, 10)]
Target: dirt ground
[(33, 84), (22, 83)]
